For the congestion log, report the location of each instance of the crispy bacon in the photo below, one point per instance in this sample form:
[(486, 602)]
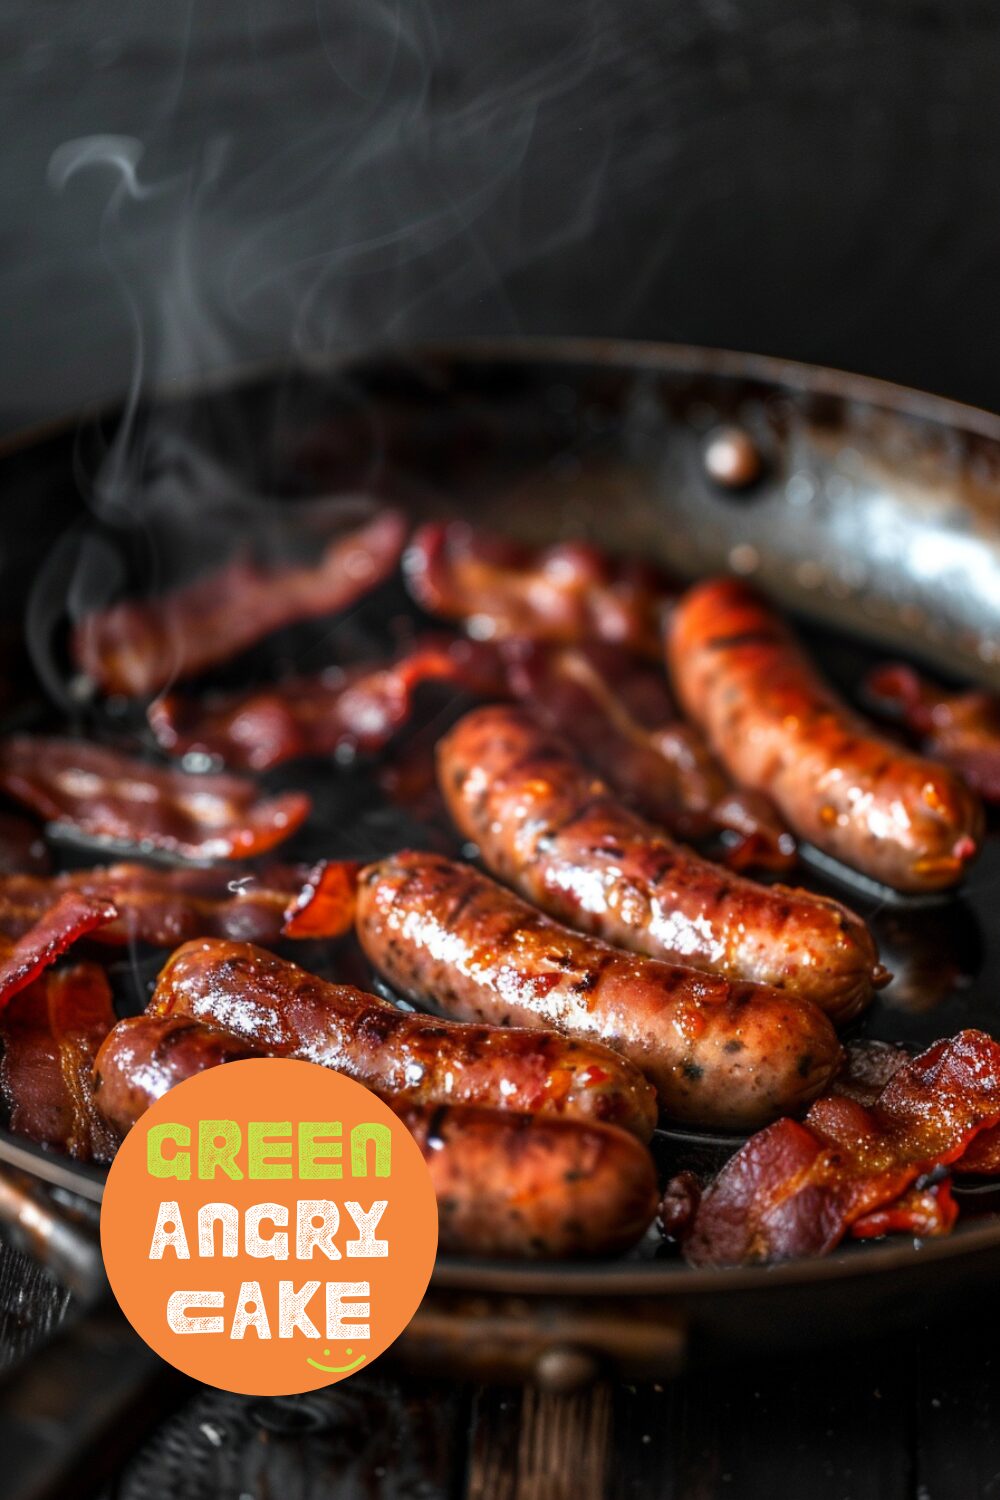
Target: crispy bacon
[(962, 729), (798, 1189), (339, 712), (325, 906), (141, 646), (921, 1211), (111, 798), (57, 928), (867, 1067), (166, 907), (51, 1033), (621, 716), (572, 592)]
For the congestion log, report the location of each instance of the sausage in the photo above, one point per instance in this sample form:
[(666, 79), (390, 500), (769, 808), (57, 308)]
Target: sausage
[(547, 826), (508, 1185), (287, 1012), (144, 1056), (906, 821), (719, 1052)]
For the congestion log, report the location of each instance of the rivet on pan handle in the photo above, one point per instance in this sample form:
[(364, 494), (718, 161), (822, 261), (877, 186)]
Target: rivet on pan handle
[(560, 1351)]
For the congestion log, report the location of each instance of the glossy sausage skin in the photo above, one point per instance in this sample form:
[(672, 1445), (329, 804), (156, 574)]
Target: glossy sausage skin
[(144, 1056), (718, 1052), (906, 821), (284, 1011), (513, 1187), (547, 826), (508, 1185)]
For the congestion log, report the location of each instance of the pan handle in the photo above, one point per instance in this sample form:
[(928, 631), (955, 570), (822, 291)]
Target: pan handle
[(82, 1402), (52, 1236), (558, 1350)]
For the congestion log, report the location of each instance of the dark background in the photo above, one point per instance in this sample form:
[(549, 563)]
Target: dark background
[(187, 187), (298, 177)]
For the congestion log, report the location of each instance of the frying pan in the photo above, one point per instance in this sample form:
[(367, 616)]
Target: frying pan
[(873, 515)]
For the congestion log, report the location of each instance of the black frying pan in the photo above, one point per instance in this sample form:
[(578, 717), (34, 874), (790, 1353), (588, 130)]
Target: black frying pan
[(876, 517)]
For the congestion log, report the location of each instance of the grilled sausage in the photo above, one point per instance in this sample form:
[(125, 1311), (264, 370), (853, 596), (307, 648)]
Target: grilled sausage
[(144, 1056), (547, 826), (896, 816), (719, 1052), (507, 1185), (282, 1010), (510, 1186)]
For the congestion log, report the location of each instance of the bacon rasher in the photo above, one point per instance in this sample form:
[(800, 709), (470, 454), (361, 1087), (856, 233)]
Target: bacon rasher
[(571, 592), (799, 1189), (339, 712), (962, 729), (110, 798), (73, 916), (51, 1033), (164, 907), (139, 647)]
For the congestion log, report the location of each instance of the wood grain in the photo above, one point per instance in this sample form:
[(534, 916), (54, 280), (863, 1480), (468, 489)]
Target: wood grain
[(532, 1445)]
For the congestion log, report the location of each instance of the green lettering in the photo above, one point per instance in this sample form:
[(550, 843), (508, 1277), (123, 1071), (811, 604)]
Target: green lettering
[(381, 1137), (268, 1136), (178, 1164), (316, 1148), (218, 1143)]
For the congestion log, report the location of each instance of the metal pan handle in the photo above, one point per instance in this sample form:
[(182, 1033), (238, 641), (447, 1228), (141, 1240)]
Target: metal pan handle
[(83, 1401)]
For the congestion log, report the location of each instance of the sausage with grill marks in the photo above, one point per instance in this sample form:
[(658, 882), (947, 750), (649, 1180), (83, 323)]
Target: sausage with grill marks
[(907, 821), (548, 827), (516, 1187), (287, 1012), (144, 1056), (508, 1185), (719, 1052)]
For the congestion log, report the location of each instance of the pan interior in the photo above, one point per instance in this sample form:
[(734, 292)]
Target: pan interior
[(548, 449)]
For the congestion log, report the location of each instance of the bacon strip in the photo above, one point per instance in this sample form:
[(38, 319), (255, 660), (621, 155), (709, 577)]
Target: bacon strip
[(620, 714), (339, 712), (571, 592), (72, 916), (921, 1211), (962, 729), (103, 795), (325, 906), (141, 646), (798, 1189), (51, 1033), (166, 907)]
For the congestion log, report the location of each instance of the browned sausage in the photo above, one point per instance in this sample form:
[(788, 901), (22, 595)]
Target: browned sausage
[(507, 1185), (547, 826), (282, 1010), (514, 1187), (144, 1056), (719, 1052), (905, 820)]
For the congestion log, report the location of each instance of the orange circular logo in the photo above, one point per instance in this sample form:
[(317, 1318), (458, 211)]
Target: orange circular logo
[(269, 1227)]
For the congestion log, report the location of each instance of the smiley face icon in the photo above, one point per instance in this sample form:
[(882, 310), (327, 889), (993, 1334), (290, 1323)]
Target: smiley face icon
[(337, 1369)]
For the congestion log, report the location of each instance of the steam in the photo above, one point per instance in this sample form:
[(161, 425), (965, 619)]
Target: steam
[(404, 208)]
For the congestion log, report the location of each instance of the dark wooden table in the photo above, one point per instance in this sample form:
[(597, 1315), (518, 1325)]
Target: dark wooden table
[(915, 1419)]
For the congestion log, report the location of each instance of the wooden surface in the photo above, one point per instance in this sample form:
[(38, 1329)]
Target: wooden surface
[(865, 1424), (913, 1419)]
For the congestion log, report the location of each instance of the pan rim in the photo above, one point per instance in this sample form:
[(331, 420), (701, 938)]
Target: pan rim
[(649, 354), (582, 1279)]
